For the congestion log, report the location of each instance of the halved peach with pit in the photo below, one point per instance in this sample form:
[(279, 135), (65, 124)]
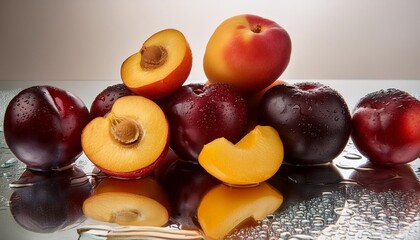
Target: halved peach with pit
[(254, 159), (130, 141), (140, 202), (161, 66), (225, 208)]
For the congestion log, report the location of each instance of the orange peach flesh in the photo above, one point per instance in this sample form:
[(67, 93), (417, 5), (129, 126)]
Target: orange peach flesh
[(254, 159), (225, 208), (172, 65), (107, 152), (125, 209)]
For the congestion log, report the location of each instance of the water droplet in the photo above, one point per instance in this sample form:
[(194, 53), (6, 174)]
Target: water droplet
[(352, 156)]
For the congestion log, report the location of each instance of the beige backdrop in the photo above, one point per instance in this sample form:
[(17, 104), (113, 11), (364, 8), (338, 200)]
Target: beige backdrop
[(89, 39)]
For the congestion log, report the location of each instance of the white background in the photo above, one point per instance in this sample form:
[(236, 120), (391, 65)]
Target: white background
[(89, 39)]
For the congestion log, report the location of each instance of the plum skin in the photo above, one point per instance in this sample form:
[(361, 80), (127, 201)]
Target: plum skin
[(103, 102), (313, 121), (386, 127), (43, 126), (199, 113)]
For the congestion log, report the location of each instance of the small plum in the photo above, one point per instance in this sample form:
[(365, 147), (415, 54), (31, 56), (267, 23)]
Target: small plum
[(103, 102)]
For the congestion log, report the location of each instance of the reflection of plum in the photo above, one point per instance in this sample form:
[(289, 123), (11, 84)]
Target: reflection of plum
[(186, 183), (46, 202), (299, 183), (384, 178)]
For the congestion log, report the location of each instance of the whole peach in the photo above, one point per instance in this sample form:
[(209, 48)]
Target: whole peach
[(247, 51)]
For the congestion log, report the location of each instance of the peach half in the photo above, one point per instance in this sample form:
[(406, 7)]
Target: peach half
[(130, 141), (254, 159), (138, 202), (224, 208), (161, 66)]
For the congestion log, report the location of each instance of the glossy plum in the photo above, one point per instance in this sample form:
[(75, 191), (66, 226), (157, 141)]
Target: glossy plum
[(103, 102), (43, 125), (312, 119), (386, 127), (199, 113)]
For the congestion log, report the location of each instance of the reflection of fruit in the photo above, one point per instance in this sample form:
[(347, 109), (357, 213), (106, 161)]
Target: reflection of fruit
[(223, 208), (186, 183), (381, 178), (160, 67), (386, 127), (49, 201), (312, 119), (302, 183), (130, 141), (42, 127), (247, 51), (199, 113), (103, 102), (254, 159), (140, 202)]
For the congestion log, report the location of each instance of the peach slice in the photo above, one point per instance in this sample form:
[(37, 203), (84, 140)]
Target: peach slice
[(254, 159), (140, 202), (130, 141), (161, 66), (224, 208)]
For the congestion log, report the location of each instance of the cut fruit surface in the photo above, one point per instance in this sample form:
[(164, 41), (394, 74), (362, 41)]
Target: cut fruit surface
[(254, 159), (224, 208), (131, 137), (160, 67)]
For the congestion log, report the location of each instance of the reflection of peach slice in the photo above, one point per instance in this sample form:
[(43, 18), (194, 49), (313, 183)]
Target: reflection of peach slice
[(254, 159), (129, 140), (140, 202), (223, 208), (160, 67)]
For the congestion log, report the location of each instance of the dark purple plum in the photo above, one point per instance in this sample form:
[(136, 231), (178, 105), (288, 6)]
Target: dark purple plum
[(199, 113), (103, 102), (49, 201), (43, 126), (312, 119)]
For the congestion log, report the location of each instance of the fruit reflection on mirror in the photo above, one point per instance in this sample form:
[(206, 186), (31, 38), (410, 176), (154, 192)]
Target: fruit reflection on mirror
[(161, 66), (47, 202), (386, 127), (247, 51), (199, 113), (42, 127), (186, 183), (103, 102), (130, 140), (139, 202), (224, 208), (312, 119), (254, 159)]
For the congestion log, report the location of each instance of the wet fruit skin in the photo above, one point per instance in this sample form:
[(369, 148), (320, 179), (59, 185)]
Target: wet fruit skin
[(312, 120), (103, 102), (43, 125), (199, 113), (386, 127)]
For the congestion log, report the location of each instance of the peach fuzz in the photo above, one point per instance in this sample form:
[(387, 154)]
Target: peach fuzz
[(248, 52), (130, 141), (224, 209), (254, 159), (160, 67)]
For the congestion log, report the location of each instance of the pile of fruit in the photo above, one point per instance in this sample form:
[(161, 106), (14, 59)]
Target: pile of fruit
[(238, 126)]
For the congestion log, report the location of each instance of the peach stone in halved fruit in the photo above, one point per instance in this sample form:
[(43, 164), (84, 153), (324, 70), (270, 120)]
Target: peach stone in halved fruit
[(129, 140), (161, 66), (254, 159)]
